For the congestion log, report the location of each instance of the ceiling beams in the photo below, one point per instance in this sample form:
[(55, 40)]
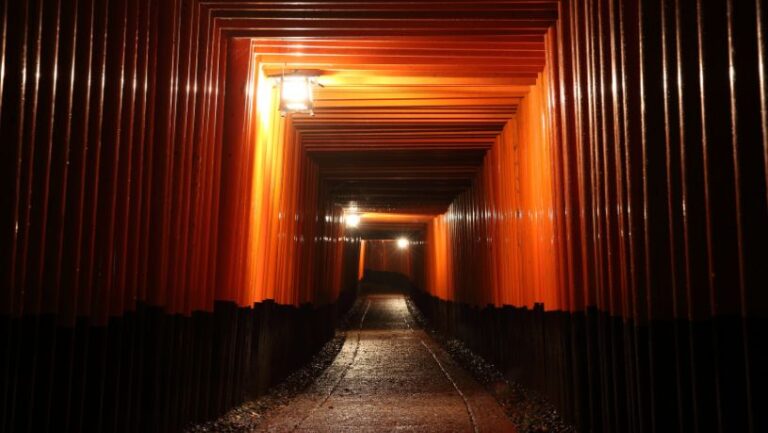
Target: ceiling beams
[(413, 93)]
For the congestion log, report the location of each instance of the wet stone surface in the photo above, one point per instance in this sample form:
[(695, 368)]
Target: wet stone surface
[(385, 373), (529, 412), (390, 376)]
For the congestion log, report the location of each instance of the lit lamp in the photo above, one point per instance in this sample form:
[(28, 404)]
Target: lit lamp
[(296, 94), (352, 220), (402, 243)]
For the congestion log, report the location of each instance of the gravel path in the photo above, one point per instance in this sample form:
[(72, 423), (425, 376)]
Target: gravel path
[(529, 412), (387, 371), (390, 376)]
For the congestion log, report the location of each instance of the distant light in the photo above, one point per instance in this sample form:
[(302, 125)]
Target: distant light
[(402, 243), (353, 220), (296, 94)]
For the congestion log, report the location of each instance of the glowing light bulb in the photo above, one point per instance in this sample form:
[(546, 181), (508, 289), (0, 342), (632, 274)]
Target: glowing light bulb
[(296, 93), (353, 220), (402, 243), (295, 106)]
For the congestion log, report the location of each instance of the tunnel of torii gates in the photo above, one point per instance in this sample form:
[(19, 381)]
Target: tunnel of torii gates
[(582, 185)]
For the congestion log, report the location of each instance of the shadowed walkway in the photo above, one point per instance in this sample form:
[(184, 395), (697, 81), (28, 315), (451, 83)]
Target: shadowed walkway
[(390, 376)]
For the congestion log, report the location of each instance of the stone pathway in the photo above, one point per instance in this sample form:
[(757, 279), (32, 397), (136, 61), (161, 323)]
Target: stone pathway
[(390, 377)]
